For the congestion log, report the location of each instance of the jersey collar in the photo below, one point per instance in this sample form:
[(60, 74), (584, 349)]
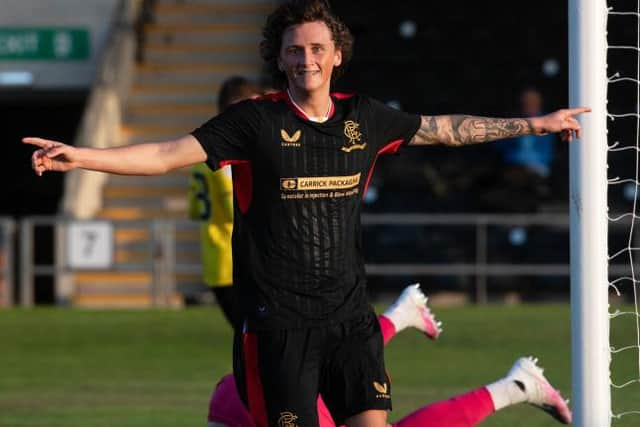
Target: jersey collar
[(300, 113)]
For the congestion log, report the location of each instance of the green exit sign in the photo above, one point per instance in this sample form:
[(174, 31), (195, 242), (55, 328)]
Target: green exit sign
[(44, 44)]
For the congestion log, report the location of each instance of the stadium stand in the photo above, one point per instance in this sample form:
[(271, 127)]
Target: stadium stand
[(189, 48)]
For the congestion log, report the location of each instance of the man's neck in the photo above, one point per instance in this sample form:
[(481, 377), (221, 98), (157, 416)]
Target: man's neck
[(315, 105)]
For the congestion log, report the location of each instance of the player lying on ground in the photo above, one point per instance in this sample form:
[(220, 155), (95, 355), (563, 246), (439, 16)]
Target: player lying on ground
[(524, 383), (301, 160)]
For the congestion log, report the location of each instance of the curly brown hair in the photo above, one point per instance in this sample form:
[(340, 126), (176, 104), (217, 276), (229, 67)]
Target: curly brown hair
[(297, 12)]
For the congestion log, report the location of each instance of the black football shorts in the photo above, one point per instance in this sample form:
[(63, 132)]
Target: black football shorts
[(279, 373)]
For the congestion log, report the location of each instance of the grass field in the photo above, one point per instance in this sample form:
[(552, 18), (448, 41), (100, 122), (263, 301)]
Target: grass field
[(157, 368)]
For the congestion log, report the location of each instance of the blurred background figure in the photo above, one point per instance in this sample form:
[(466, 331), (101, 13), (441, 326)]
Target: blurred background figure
[(523, 182), (211, 203)]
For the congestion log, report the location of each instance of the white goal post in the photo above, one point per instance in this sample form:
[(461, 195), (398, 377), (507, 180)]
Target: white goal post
[(591, 396)]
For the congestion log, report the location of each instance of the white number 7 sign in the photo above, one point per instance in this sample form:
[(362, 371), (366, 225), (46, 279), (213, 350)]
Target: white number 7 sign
[(90, 244)]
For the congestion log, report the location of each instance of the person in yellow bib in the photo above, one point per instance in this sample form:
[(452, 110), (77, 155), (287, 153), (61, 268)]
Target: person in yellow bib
[(211, 203)]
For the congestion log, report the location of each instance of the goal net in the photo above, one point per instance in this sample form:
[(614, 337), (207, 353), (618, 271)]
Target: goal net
[(623, 174)]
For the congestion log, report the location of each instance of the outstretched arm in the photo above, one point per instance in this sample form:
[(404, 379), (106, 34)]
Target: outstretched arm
[(153, 158), (457, 130)]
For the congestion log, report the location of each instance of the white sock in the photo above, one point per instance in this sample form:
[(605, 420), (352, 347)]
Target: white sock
[(506, 392), (400, 318)]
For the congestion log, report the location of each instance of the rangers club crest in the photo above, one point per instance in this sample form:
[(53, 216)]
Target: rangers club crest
[(352, 132)]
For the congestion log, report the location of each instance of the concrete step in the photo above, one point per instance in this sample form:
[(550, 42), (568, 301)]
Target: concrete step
[(136, 249), (199, 77), (190, 255), (138, 136), (143, 249), (138, 213), (176, 178), (183, 123), (203, 54), (153, 130), (138, 279), (130, 259), (142, 192), (156, 130), (182, 108), (204, 33), (131, 235), (160, 3), (188, 278), (157, 69), (170, 204), (122, 301), (186, 114), (112, 287), (210, 15), (213, 8), (155, 94), (142, 138), (205, 96), (142, 235), (250, 50)]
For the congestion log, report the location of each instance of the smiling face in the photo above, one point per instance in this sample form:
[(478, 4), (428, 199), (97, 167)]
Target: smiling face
[(308, 56)]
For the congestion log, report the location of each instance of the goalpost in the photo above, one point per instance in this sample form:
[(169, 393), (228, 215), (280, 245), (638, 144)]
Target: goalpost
[(591, 317), (589, 221)]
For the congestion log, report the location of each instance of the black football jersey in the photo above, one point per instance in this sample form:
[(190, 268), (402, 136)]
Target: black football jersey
[(298, 185)]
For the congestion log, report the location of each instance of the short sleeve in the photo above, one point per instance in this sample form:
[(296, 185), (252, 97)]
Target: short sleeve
[(393, 126), (231, 135)]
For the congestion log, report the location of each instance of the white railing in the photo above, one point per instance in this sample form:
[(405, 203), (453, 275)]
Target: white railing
[(163, 254), (156, 256)]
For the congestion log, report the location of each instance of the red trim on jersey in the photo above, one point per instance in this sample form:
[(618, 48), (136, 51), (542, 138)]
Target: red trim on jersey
[(284, 96), (273, 96), (342, 95), (390, 148), (242, 182), (255, 392)]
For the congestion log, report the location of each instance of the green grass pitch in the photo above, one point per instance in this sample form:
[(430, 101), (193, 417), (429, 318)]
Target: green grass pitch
[(157, 368)]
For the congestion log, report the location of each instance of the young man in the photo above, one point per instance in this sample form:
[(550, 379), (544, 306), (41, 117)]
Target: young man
[(525, 382), (211, 202), (301, 161)]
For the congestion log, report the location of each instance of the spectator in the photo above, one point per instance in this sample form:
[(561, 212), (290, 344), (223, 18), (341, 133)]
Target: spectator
[(211, 202), (527, 160)]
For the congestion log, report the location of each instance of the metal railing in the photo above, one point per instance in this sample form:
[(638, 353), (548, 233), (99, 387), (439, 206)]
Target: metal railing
[(480, 268), (161, 256), (156, 256), (7, 250)]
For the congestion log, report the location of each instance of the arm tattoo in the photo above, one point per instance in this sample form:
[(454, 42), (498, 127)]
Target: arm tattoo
[(464, 130)]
